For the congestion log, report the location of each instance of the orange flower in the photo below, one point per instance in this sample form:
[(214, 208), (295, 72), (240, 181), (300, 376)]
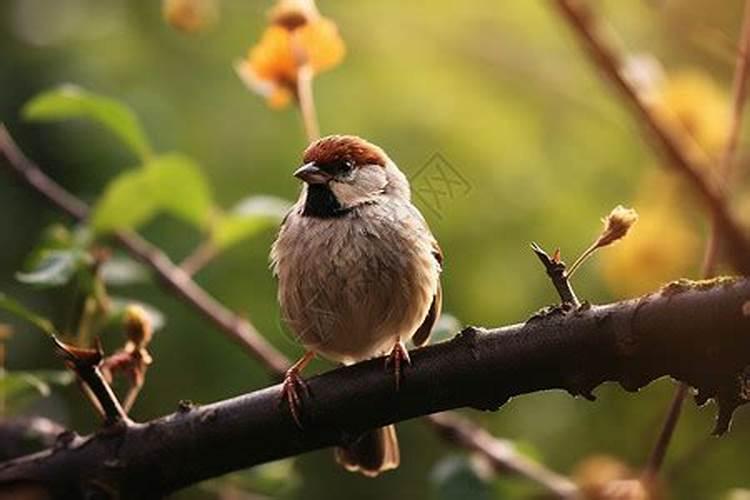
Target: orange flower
[(190, 16), (298, 36)]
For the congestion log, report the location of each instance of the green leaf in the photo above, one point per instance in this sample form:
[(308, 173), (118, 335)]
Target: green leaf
[(171, 183), (17, 309), (127, 202), (179, 187), (20, 384), (119, 271), (71, 101), (456, 478), (53, 268), (249, 217)]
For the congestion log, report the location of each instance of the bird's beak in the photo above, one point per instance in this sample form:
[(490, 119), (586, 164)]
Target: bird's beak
[(312, 174)]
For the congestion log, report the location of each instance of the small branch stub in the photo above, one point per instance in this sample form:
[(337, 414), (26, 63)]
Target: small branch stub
[(85, 363), (556, 272)]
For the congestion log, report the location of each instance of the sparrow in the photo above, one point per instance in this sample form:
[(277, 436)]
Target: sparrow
[(358, 274)]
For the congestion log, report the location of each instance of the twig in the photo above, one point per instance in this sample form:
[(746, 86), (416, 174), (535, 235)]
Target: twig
[(202, 255), (85, 364), (501, 454), (174, 278), (236, 328), (306, 102), (581, 259), (556, 272), (739, 97), (701, 326), (711, 254), (656, 458), (132, 395), (606, 59)]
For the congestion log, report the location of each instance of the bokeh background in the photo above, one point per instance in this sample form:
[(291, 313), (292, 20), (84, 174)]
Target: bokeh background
[(501, 91)]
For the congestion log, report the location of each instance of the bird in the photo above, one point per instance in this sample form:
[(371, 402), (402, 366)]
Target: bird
[(358, 273)]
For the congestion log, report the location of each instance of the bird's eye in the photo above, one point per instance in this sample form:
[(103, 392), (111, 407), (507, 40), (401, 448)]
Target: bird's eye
[(346, 166)]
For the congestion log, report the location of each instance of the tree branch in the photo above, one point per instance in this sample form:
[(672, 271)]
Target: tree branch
[(501, 454), (23, 435), (582, 23), (175, 279), (695, 332)]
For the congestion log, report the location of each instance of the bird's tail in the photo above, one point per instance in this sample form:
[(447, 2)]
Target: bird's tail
[(374, 452)]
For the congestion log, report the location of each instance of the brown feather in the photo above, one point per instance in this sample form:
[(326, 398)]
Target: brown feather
[(374, 452), (337, 148), (422, 335)]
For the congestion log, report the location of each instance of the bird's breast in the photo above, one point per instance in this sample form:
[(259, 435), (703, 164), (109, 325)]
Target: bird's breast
[(350, 287)]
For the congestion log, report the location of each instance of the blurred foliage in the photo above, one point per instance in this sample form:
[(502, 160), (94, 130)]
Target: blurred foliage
[(502, 94), (70, 101), (456, 477), (171, 183), (19, 387)]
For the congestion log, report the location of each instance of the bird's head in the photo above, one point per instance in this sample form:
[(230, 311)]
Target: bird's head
[(345, 171)]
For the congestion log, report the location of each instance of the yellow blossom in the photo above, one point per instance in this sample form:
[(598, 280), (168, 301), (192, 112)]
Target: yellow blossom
[(697, 111), (616, 225), (137, 325), (297, 36), (595, 472), (664, 247)]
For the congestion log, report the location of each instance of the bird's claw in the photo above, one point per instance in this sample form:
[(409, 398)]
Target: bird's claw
[(398, 356), (291, 388)]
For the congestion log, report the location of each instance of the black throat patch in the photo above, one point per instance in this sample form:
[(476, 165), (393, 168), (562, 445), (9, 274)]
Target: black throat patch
[(322, 203)]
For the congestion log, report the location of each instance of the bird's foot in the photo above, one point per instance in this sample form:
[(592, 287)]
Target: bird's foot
[(291, 391), (294, 387), (398, 357)]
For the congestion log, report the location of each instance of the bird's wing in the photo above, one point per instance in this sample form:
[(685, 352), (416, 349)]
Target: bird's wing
[(274, 249), (422, 334)]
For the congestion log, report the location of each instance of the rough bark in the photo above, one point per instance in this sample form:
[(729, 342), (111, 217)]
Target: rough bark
[(696, 332)]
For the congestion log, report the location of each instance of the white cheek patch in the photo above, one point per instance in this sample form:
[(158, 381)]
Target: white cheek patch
[(368, 182)]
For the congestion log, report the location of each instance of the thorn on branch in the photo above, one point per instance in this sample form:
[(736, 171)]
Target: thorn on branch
[(556, 272), (85, 363)]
